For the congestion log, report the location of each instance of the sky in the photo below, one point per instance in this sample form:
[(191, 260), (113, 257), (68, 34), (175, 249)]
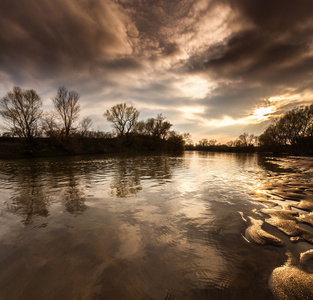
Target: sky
[(214, 68)]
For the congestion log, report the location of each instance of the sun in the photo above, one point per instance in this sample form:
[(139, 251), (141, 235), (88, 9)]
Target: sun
[(262, 113)]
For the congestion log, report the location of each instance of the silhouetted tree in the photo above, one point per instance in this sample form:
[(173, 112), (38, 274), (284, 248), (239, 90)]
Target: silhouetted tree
[(291, 129), (212, 142), (187, 139), (158, 127), (243, 138), (21, 110), (123, 118), (140, 127), (230, 143), (176, 140), (85, 126), (252, 140), (203, 143), (67, 106), (51, 124)]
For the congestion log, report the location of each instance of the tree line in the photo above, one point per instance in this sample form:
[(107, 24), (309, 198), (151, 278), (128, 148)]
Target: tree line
[(292, 130), (243, 141), (24, 118)]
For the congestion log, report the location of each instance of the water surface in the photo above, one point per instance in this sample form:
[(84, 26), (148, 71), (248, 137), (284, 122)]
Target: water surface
[(195, 226)]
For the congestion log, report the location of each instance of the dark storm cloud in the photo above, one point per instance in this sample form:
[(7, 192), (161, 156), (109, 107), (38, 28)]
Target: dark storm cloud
[(85, 38), (232, 100), (51, 37), (254, 54), (158, 52), (124, 64), (270, 53), (274, 16)]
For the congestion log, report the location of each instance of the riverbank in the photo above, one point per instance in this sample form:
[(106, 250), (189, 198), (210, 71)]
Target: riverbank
[(284, 150), (46, 147)]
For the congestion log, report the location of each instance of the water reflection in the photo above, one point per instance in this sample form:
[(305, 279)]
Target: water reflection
[(73, 196), (29, 203), (129, 172), (37, 185), (197, 226), (29, 200), (126, 179)]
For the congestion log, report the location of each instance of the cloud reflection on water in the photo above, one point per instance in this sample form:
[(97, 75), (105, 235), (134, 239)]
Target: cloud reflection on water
[(144, 227)]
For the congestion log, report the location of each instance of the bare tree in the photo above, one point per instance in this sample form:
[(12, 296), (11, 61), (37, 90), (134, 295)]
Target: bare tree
[(203, 143), (85, 126), (212, 142), (67, 106), (140, 127), (243, 139), (51, 124), (187, 139), (123, 118), (230, 143), (21, 110)]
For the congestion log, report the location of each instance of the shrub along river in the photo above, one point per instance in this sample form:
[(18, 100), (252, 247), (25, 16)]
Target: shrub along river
[(192, 226)]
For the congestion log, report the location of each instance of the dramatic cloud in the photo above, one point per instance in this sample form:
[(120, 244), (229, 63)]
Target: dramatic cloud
[(206, 65), (271, 55)]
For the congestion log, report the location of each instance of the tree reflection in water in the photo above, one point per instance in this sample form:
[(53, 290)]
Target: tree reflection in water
[(128, 173), (126, 179), (29, 199), (39, 185), (156, 227), (73, 197)]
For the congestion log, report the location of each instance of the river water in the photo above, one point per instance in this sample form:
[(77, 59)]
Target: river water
[(193, 226)]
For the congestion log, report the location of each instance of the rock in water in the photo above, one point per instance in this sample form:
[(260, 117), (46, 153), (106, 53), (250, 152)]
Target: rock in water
[(255, 233), (290, 283)]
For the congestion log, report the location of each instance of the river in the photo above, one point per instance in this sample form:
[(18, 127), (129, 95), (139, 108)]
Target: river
[(192, 226)]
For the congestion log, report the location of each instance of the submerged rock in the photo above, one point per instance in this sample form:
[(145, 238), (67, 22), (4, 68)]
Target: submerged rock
[(287, 222), (305, 205), (255, 233), (308, 218), (306, 256), (289, 227), (283, 214), (294, 280), (290, 282)]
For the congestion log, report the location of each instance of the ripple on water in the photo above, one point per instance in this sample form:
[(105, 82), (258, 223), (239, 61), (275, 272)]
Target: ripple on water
[(155, 228), (290, 187)]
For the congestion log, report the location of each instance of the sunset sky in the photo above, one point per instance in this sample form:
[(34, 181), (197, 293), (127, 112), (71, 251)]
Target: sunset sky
[(214, 68)]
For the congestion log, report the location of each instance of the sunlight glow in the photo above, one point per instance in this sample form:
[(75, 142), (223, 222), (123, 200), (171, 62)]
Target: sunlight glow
[(262, 113), (226, 122), (195, 87), (283, 98), (259, 114), (191, 112)]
